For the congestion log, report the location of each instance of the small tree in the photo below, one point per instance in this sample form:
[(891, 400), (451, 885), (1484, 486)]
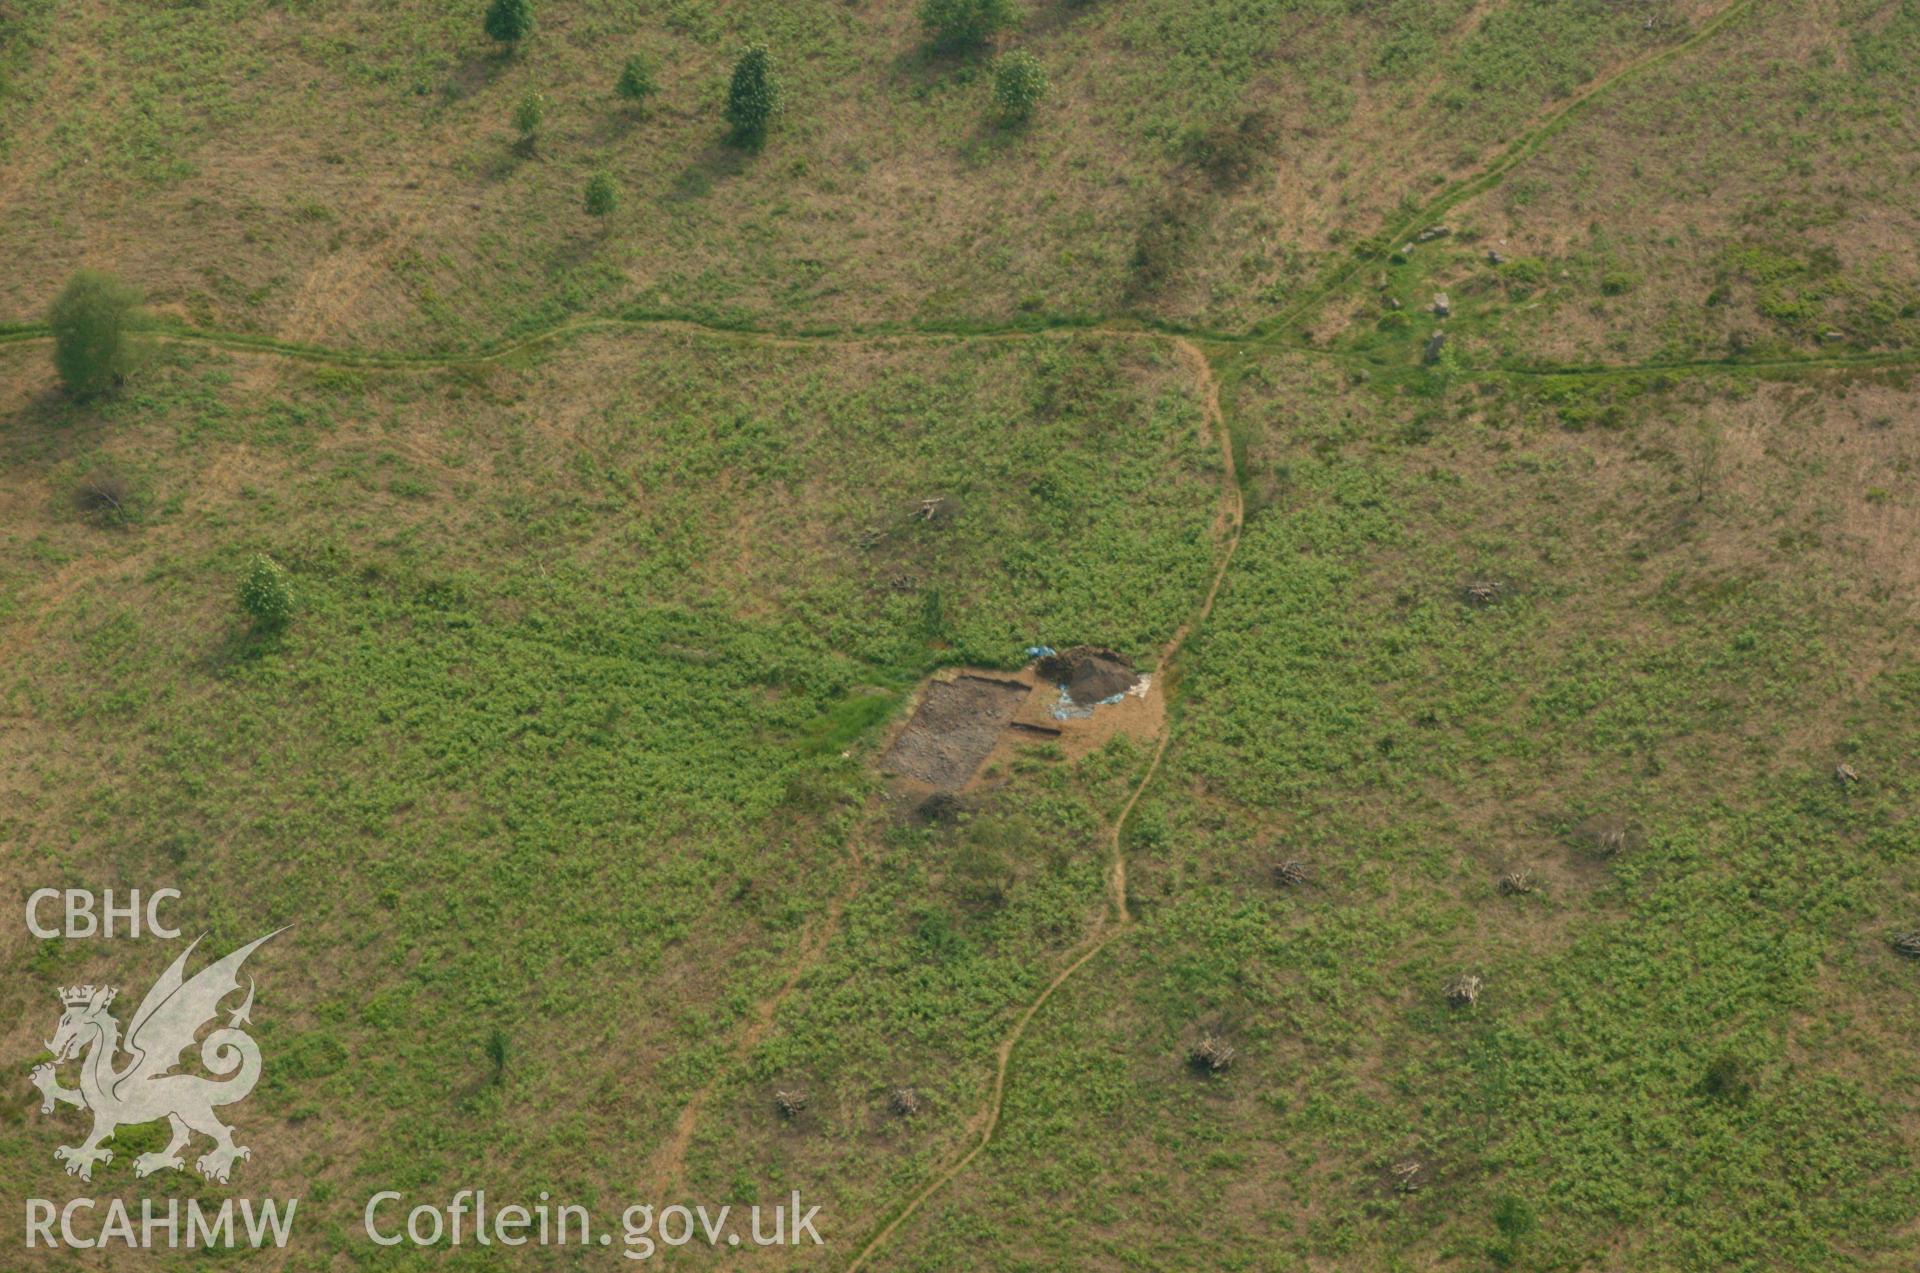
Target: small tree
[(528, 116), (94, 321), (637, 82), (510, 21), (265, 593), (752, 97), (603, 196), (1019, 82), (954, 25)]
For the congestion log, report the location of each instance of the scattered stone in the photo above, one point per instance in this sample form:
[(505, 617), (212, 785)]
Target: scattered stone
[(1515, 883), (1442, 307), (1393, 302), (1830, 336), (1407, 1176), (789, 1104), (1435, 343), (1290, 874), (954, 728), (1908, 944), (1212, 1055), (1433, 232), (904, 1101), (1845, 774), (1495, 258), (1464, 991)]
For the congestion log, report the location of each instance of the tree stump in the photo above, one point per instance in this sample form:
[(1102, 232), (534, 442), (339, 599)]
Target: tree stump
[(1515, 883), (1290, 873), (1482, 592)]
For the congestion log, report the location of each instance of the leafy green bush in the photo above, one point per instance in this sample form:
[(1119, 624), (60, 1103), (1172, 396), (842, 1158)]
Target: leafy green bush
[(510, 21), (1618, 282), (603, 196), (964, 24), (1019, 82), (752, 97), (637, 82), (265, 593), (94, 321), (528, 116), (1530, 271)]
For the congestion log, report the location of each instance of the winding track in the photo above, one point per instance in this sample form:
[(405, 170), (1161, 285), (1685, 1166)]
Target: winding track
[(1270, 333), (560, 333), (1119, 920)]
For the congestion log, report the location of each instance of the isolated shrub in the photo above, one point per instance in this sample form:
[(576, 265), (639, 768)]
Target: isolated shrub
[(964, 24), (1729, 1079), (529, 115), (105, 496), (1230, 153), (982, 878), (1161, 244), (265, 593), (752, 97), (497, 1052), (510, 21), (1514, 1217), (1618, 282), (603, 196), (636, 83), (1523, 275), (1019, 82), (94, 321)]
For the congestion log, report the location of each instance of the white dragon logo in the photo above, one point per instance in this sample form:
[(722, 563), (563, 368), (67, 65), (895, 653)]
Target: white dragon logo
[(145, 1090)]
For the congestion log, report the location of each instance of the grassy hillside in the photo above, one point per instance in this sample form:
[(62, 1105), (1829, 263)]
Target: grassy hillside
[(1195, 161), (561, 758), (1747, 199), (1682, 645)]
